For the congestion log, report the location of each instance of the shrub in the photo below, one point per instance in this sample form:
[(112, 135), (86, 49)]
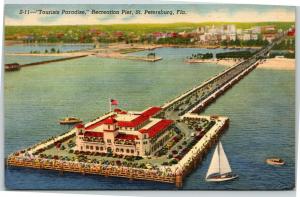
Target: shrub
[(142, 165), (173, 161), (138, 157)]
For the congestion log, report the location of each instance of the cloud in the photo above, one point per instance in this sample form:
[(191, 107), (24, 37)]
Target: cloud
[(215, 15)]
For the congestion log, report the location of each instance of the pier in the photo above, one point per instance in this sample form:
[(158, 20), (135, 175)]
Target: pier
[(55, 60), (201, 95), (181, 110), (168, 174)]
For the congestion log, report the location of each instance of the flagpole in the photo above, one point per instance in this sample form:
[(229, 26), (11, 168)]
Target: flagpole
[(109, 104)]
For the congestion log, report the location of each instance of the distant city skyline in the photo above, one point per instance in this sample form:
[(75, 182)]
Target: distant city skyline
[(195, 13)]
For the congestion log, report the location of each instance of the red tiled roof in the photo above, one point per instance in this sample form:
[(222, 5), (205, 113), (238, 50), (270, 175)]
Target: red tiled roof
[(141, 118), (79, 126), (133, 123), (151, 111), (119, 111), (126, 137), (157, 128), (109, 120), (93, 134), (97, 124)]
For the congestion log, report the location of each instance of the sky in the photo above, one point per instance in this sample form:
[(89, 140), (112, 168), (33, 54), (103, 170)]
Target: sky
[(194, 13)]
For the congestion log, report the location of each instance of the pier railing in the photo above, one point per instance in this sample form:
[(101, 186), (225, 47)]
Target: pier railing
[(90, 168)]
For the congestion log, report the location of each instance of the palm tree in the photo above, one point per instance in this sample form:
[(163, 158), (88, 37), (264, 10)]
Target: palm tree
[(151, 55)]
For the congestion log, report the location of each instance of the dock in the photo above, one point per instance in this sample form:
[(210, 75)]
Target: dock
[(168, 174)]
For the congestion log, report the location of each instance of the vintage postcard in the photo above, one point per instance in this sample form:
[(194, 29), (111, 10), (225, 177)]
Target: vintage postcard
[(149, 97)]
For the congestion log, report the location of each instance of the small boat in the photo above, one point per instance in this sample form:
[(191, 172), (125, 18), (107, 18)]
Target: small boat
[(70, 120), (219, 169), (275, 161), (12, 67)]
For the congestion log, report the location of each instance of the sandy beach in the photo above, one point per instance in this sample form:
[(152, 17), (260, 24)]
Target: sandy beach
[(223, 62), (278, 64)]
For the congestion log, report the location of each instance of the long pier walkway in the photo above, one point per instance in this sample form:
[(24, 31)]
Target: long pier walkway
[(54, 60), (200, 96)]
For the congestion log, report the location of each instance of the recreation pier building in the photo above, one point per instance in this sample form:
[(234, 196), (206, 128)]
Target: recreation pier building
[(125, 133)]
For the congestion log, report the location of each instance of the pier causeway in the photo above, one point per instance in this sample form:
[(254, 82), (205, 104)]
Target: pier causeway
[(181, 109)]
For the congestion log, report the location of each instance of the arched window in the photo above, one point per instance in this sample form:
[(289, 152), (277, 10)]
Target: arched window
[(132, 151), (117, 150), (122, 150), (127, 150)]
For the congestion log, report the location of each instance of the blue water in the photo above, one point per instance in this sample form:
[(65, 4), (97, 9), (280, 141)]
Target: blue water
[(260, 108)]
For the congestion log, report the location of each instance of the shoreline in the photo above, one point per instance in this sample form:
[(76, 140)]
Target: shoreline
[(150, 46), (270, 63)]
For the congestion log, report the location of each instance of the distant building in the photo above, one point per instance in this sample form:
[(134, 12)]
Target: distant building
[(246, 37), (254, 36), (269, 37), (256, 30), (291, 32), (232, 36), (268, 29)]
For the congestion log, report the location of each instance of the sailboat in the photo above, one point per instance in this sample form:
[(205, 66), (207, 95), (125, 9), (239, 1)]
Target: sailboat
[(219, 168)]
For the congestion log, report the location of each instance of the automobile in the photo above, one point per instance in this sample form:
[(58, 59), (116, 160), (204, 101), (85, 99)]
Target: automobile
[(178, 157), (149, 166)]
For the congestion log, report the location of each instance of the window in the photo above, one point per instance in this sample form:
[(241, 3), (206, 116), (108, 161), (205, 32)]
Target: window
[(91, 147), (122, 150), (108, 141), (127, 150), (117, 150), (132, 151), (97, 147), (101, 148), (87, 147), (81, 147), (108, 127)]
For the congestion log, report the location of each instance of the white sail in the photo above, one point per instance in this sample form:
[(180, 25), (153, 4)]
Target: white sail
[(219, 163), (214, 164), (224, 164)]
